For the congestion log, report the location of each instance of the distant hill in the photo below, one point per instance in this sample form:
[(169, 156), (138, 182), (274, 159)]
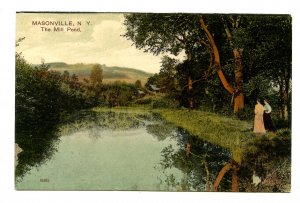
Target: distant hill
[(110, 74)]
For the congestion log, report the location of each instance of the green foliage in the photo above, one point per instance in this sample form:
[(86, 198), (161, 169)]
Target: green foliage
[(43, 98), (119, 94), (157, 100), (167, 75), (138, 84), (37, 112), (158, 33), (96, 76), (163, 103), (152, 80), (37, 94), (264, 42), (280, 123), (166, 79), (246, 114)]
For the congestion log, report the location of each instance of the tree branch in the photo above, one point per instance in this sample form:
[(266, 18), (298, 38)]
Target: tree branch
[(216, 57), (180, 40), (211, 53)]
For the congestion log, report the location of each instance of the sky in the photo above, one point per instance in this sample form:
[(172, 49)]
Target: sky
[(99, 41)]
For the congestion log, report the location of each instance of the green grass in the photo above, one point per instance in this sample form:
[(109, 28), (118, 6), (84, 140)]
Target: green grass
[(229, 133)]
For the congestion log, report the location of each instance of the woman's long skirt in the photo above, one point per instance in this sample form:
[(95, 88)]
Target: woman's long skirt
[(268, 122)]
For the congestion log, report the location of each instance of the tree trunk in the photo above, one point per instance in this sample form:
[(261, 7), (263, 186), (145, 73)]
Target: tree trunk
[(223, 171), (207, 188), (287, 96), (281, 96), (239, 102), (235, 179), (188, 150), (190, 83), (238, 68), (190, 89), (216, 58), (238, 90), (284, 93)]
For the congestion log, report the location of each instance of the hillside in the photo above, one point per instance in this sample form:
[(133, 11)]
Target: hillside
[(110, 74)]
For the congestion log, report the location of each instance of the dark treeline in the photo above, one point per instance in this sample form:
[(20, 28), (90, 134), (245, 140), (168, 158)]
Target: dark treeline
[(230, 60)]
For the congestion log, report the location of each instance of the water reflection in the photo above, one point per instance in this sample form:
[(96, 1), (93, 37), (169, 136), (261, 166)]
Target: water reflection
[(97, 121), (118, 146), (266, 167), (143, 151), (39, 140), (200, 168), (38, 145)]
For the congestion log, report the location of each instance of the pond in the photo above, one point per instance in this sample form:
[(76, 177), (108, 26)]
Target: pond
[(118, 150)]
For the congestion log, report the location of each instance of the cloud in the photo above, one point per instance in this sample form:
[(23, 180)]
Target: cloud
[(98, 42), (108, 35)]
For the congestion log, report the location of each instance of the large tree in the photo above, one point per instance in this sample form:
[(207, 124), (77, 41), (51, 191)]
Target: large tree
[(261, 49), (96, 78), (219, 43), (164, 33), (96, 75), (167, 75), (229, 25), (176, 32)]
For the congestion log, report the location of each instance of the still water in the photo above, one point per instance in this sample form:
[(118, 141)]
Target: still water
[(141, 153)]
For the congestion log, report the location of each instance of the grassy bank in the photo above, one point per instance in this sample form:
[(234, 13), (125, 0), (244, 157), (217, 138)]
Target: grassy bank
[(270, 153), (229, 133)]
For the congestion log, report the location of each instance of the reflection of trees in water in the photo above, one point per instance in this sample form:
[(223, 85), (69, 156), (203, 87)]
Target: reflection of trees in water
[(269, 159), (38, 143), (199, 169), (159, 131), (266, 156), (91, 120), (39, 140)]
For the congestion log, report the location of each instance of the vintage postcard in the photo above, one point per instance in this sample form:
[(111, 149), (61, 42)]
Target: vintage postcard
[(153, 102)]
